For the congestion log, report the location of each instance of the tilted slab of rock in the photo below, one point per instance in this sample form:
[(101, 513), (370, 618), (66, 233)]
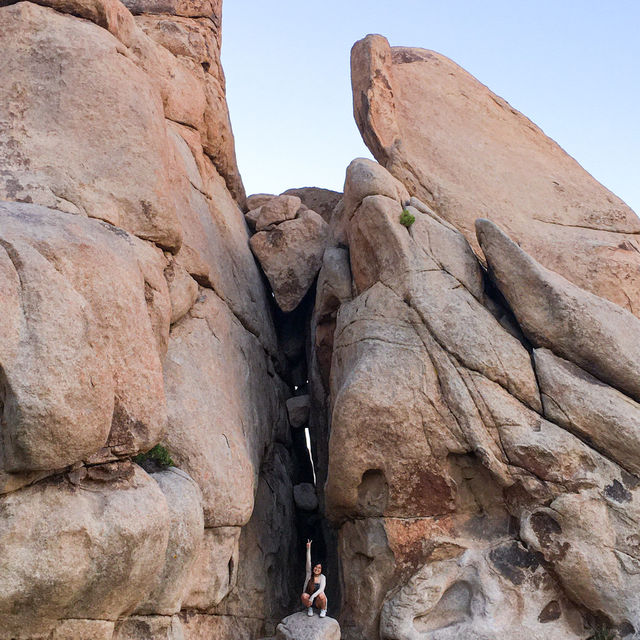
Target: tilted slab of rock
[(466, 152), (218, 428), (186, 529), (89, 550), (599, 414), (214, 250), (97, 88), (597, 335), (299, 626), (85, 321), (291, 256)]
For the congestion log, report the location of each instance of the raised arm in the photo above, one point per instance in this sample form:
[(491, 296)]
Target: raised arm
[(308, 567)]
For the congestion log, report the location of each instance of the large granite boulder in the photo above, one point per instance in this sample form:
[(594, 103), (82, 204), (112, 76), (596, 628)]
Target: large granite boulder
[(299, 626), (85, 323), (466, 152)]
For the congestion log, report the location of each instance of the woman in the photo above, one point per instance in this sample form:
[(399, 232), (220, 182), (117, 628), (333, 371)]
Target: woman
[(314, 584)]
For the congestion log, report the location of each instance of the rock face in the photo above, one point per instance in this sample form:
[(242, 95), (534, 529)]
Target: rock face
[(467, 153), (472, 401), (133, 315)]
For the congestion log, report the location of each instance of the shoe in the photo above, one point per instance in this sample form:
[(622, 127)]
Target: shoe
[(310, 611), (323, 613)]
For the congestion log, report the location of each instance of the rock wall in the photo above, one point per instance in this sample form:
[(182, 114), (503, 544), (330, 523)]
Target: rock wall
[(457, 334), (482, 466), (133, 313)]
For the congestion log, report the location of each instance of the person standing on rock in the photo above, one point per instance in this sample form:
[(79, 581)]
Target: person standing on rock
[(314, 584)]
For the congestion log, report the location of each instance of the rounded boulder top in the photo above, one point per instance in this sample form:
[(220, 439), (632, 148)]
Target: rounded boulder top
[(299, 626)]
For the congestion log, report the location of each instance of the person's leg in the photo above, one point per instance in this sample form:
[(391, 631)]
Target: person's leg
[(321, 603), (306, 601)]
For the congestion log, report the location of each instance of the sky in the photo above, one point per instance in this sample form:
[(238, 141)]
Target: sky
[(571, 66)]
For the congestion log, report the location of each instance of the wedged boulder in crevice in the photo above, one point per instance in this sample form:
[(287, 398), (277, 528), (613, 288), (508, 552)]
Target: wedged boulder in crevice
[(467, 153), (595, 334), (289, 245)]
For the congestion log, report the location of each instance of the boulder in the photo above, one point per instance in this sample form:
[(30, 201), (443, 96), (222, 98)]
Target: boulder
[(277, 210), (92, 549), (597, 413), (183, 290), (93, 380), (215, 251), (218, 428), (299, 626), (298, 411), (304, 496), (322, 201), (256, 200), (467, 153), (96, 89), (186, 526), (215, 570), (291, 256), (597, 335)]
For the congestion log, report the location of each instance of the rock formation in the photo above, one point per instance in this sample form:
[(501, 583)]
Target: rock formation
[(467, 378)]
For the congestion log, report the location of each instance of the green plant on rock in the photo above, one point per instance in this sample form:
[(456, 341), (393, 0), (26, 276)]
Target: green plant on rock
[(603, 633), (406, 218), (158, 456)]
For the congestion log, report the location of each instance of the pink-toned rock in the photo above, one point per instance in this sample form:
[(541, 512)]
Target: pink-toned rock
[(125, 180), (87, 550), (322, 201), (291, 256), (277, 210), (466, 152), (89, 296)]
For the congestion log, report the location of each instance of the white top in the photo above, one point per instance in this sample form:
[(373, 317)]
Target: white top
[(323, 580)]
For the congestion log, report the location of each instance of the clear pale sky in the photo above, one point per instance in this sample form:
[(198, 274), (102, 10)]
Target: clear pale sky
[(572, 66)]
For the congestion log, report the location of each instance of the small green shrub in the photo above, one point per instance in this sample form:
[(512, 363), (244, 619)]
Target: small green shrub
[(158, 456), (406, 218), (603, 633)]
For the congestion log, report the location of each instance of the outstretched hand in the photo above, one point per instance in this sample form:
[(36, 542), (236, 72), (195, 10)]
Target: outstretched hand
[(308, 544)]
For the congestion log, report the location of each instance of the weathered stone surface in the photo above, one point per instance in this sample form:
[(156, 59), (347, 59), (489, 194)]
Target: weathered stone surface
[(83, 630), (591, 543), (304, 495), (479, 595), (215, 570), (219, 426), (256, 200), (291, 256), (469, 154), (146, 627), (299, 626), (597, 335), (206, 8), (215, 250), (322, 201), (186, 527), (204, 627), (94, 379), (450, 312), (90, 550), (298, 410), (267, 542), (47, 160), (602, 416), (183, 290), (277, 210)]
